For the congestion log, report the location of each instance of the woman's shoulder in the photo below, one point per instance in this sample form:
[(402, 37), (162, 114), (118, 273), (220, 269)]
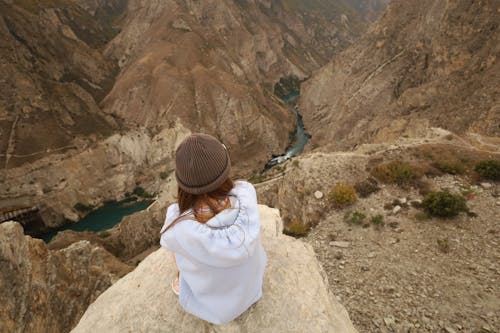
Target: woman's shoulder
[(172, 211), (243, 185)]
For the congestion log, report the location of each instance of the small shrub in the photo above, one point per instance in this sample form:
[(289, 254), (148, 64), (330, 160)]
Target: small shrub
[(453, 167), (355, 218), (444, 204), (377, 220), (443, 245), (396, 172), (295, 163), (342, 195), (140, 192), (295, 228), (82, 207), (489, 169), (366, 187), (163, 175), (104, 234)]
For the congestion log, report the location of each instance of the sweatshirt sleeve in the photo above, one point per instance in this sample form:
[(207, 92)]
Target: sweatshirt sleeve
[(167, 240)]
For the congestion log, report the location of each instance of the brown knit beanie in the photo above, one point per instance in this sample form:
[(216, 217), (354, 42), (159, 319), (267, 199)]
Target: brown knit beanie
[(202, 164)]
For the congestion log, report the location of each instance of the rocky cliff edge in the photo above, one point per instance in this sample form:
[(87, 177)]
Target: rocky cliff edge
[(296, 297)]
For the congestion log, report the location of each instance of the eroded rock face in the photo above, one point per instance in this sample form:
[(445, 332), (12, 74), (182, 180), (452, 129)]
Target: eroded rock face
[(425, 64), (294, 192), (295, 298), (103, 172), (48, 291), (213, 65), (53, 75)]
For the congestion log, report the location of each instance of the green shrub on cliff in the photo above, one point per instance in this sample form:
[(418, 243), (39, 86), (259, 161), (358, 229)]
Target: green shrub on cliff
[(444, 204), (489, 169)]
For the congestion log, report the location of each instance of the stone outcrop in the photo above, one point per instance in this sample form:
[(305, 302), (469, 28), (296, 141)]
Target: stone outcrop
[(48, 291), (424, 64), (296, 297)]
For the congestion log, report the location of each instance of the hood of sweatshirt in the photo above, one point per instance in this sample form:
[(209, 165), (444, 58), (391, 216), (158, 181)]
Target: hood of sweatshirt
[(226, 240)]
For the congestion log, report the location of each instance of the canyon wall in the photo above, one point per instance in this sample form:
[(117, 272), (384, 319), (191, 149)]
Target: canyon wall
[(423, 64)]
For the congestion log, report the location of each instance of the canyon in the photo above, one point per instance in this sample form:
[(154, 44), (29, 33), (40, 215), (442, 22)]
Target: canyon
[(94, 125), (96, 95)]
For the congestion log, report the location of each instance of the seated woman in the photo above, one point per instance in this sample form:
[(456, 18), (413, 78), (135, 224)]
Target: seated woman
[(214, 232)]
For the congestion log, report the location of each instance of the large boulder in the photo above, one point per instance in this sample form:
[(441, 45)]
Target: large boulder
[(48, 291), (296, 296)]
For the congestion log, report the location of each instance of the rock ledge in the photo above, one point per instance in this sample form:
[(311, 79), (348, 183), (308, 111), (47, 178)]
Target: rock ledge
[(296, 297)]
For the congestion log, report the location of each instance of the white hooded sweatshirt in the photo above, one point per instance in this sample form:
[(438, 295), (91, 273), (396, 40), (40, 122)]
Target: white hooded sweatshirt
[(221, 262)]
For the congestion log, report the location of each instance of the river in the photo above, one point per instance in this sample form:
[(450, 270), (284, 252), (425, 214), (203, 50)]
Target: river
[(103, 218), (301, 137)]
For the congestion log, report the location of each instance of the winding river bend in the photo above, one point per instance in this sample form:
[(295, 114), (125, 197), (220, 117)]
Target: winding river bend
[(301, 137)]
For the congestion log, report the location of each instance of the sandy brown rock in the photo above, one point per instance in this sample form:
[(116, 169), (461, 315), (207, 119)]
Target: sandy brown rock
[(48, 291), (424, 64), (295, 297), (106, 171), (53, 75), (212, 65)]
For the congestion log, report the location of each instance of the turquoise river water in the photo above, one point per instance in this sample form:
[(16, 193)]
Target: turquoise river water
[(103, 218)]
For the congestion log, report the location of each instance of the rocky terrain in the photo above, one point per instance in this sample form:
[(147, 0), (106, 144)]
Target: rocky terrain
[(47, 291), (142, 301), (405, 271), (426, 63)]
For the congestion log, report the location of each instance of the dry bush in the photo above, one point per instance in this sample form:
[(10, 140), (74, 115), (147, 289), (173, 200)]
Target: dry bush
[(397, 172), (342, 195)]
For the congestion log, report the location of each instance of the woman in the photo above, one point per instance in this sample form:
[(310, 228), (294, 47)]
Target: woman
[(214, 232)]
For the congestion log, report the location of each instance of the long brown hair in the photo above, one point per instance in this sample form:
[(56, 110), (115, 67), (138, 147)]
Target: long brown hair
[(187, 200)]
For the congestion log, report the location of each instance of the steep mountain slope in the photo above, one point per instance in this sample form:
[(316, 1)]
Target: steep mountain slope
[(425, 63), (212, 66), (75, 133), (52, 75)]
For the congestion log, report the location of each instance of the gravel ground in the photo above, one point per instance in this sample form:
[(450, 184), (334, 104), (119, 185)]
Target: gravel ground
[(416, 274)]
